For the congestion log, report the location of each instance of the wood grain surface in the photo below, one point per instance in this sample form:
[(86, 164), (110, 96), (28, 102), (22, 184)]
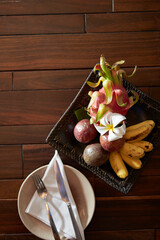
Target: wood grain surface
[(146, 21), (137, 5), (41, 24), (19, 7), (62, 51), (47, 50)]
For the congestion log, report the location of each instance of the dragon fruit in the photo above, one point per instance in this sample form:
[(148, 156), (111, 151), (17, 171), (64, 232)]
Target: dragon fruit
[(112, 96)]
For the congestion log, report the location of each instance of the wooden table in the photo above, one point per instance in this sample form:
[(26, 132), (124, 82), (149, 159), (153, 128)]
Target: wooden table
[(47, 49)]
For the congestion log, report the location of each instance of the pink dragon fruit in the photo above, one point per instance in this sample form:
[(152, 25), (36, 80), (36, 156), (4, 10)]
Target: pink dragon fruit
[(112, 96)]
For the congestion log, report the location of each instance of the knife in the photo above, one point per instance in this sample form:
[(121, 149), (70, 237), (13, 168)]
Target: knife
[(65, 198)]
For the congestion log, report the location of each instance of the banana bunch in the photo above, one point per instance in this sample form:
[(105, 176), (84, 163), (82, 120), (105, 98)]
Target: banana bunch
[(133, 149)]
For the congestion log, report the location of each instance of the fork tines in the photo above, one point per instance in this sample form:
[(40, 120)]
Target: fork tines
[(38, 182)]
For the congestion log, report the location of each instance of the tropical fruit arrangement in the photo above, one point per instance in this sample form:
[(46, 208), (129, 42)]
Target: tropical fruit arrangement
[(107, 109), (133, 149)]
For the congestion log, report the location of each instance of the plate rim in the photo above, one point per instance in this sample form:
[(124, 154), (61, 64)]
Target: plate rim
[(40, 169)]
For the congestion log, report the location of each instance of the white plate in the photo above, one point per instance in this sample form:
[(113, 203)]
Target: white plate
[(82, 193)]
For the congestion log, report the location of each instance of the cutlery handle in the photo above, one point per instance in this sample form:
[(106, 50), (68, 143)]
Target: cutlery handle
[(53, 226), (76, 228)]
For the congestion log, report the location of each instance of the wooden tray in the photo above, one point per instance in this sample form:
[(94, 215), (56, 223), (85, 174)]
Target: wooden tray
[(61, 136)]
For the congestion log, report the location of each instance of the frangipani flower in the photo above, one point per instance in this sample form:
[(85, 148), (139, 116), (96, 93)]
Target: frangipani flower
[(109, 123)]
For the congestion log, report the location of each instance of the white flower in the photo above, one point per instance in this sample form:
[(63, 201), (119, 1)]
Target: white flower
[(108, 123)]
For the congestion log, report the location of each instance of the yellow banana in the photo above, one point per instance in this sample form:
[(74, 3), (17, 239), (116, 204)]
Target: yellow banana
[(151, 123), (132, 161), (147, 146), (137, 134), (131, 150), (118, 165)]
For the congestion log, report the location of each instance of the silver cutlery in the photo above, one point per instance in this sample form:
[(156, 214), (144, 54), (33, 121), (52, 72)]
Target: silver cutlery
[(42, 192), (65, 198)]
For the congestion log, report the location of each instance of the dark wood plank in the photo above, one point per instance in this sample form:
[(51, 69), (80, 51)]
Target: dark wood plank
[(118, 214), (11, 162), (26, 236), (121, 235), (152, 167), (154, 93), (144, 89), (137, 5), (36, 156), (10, 222), (71, 51), (138, 189), (9, 219), (47, 7), (123, 223), (109, 235), (146, 185), (149, 77), (110, 207), (5, 81), (59, 79), (24, 134), (158, 234), (41, 24), (122, 22), (10, 188), (2, 237), (67, 79), (34, 107)]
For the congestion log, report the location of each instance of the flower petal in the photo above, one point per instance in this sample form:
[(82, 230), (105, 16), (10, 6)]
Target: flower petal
[(120, 131), (117, 118), (100, 129), (106, 119), (112, 136)]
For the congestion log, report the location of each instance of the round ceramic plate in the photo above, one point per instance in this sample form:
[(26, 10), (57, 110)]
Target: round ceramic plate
[(82, 193)]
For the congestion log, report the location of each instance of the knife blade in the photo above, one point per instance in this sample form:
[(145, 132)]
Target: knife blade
[(65, 198)]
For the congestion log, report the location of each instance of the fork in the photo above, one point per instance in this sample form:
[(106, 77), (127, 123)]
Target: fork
[(42, 192)]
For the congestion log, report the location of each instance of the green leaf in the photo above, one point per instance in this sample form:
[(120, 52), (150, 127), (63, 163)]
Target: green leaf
[(107, 84), (115, 78), (105, 69), (117, 63), (101, 111), (94, 85), (97, 67), (119, 100), (121, 71), (133, 99), (81, 113), (135, 69)]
